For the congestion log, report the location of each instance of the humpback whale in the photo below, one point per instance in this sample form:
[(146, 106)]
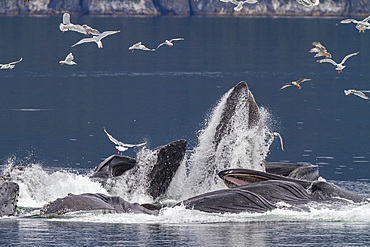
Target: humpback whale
[(234, 136), (9, 192), (255, 197), (268, 187), (319, 190), (162, 169), (92, 202)]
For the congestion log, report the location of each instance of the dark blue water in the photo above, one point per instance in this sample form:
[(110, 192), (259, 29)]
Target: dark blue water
[(54, 115)]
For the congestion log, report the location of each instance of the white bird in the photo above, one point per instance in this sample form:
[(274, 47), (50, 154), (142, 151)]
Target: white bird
[(309, 3), (169, 42), (361, 25), (355, 92), (9, 65), (66, 25), (239, 4), (139, 46), (68, 60), (89, 30), (339, 66), (281, 139), (121, 147), (320, 50), (295, 83), (84, 29), (96, 39)]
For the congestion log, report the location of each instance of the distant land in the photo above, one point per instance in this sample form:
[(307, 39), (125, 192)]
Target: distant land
[(184, 8)]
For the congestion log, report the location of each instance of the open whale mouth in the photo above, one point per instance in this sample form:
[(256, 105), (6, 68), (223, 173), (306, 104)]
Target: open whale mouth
[(238, 177), (233, 180)]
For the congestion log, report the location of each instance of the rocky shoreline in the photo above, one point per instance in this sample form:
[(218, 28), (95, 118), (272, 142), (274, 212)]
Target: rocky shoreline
[(184, 8)]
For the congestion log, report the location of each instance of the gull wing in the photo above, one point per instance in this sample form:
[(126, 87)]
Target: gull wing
[(15, 61), (85, 40), (66, 18), (319, 45), (114, 140), (302, 80), (327, 61), (348, 56), (69, 57), (286, 85), (90, 30), (176, 39), (366, 19), (360, 94), (160, 45), (348, 21), (315, 49), (133, 145), (105, 34), (281, 139), (77, 28)]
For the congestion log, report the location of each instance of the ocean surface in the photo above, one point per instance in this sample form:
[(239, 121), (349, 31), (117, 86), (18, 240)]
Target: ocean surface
[(52, 117)]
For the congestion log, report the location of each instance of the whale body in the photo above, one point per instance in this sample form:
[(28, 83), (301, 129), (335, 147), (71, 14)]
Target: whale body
[(9, 192)]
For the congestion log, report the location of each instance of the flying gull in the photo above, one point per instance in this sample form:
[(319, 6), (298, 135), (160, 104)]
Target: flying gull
[(169, 42), (355, 92), (68, 60), (9, 65), (97, 39), (239, 4), (320, 50), (339, 66), (361, 25), (66, 25), (309, 3), (139, 46), (121, 147), (295, 83)]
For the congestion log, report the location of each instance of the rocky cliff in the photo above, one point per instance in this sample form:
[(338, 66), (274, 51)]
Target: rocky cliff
[(184, 7)]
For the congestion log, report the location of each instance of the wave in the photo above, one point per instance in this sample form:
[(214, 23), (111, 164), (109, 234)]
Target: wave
[(180, 215)]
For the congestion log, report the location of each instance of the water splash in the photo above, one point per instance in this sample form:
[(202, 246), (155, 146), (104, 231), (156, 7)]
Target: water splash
[(133, 184), (243, 142), (38, 186)]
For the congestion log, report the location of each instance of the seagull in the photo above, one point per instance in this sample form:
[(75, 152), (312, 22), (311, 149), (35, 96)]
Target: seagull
[(339, 66), (139, 46), (121, 147), (361, 25), (66, 25), (281, 139), (309, 3), (90, 30), (239, 4), (169, 42), (96, 39), (9, 65), (295, 83), (355, 92), (68, 60), (84, 29), (320, 50)]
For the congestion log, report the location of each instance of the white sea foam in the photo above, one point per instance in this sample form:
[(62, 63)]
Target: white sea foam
[(38, 186), (133, 184), (181, 215)]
